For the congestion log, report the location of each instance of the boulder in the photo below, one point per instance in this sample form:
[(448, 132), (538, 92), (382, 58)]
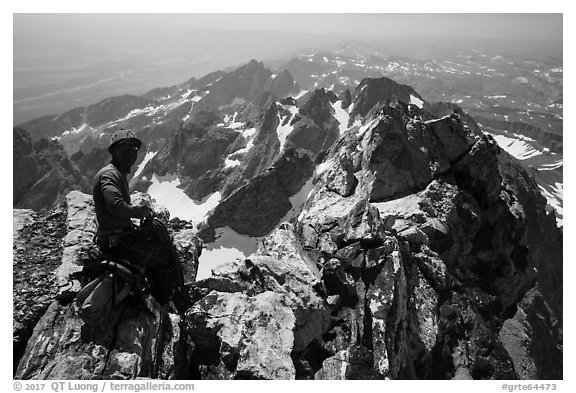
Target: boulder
[(251, 335), (340, 178)]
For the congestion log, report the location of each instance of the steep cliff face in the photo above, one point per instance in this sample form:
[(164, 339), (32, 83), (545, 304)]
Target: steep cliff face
[(257, 207), (315, 128)]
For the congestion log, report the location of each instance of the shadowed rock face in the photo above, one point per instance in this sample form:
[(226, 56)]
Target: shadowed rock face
[(43, 173), (256, 208), (315, 128)]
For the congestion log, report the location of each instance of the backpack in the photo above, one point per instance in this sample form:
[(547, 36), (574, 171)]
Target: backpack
[(155, 230), (111, 283)]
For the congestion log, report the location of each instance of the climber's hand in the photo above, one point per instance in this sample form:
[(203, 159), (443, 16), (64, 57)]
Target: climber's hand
[(142, 211)]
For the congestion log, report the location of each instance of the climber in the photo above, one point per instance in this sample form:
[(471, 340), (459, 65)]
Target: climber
[(117, 235)]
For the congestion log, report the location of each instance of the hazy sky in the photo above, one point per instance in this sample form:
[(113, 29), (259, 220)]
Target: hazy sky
[(507, 26)]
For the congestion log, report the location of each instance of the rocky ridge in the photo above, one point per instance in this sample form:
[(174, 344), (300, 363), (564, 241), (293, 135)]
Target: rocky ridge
[(432, 271), (423, 251)]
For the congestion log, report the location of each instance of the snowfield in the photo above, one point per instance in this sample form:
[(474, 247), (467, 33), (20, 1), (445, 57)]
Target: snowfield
[(519, 148), (341, 115), (166, 193), (283, 130), (149, 155), (548, 166)]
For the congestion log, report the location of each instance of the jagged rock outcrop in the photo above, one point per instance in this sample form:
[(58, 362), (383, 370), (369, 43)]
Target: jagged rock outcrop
[(253, 317), (245, 84), (44, 172), (141, 339), (426, 281), (315, 128), (195, 148), (346, 98), (281, 84)]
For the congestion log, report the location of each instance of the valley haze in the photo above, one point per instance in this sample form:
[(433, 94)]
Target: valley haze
[(66, 60)]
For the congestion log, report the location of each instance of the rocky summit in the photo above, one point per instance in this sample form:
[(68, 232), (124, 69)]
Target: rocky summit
[(421, 249)]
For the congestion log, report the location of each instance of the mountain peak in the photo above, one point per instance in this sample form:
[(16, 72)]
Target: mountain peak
[(371, 91)]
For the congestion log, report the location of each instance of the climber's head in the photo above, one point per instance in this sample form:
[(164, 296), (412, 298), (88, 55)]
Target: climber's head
[(124, 146)]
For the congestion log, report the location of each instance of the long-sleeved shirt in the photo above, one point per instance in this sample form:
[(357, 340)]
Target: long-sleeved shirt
[(112, 199)]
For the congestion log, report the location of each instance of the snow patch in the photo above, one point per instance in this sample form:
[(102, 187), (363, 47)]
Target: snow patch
[(323, 167), (416, 101), (235, 125), (149, 155), (551, 166), (362, 130), (166, 193), (302, 92), (283, 130), (75, 130), (554, 196), (248, 134), (229, 163), (341, 115), (518, 148)]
